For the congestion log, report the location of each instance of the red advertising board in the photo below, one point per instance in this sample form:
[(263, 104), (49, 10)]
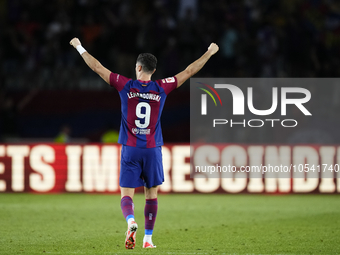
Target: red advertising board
[(51, 168)]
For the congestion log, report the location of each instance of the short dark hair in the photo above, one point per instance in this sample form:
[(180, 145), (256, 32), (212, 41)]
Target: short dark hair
[(147, 61)]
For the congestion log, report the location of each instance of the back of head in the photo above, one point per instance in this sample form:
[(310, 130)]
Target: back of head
[(148, 62)]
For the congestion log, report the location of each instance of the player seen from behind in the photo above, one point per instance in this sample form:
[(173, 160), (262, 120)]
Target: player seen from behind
[(140, 134)]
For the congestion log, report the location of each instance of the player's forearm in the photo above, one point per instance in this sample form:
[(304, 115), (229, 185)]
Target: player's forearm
[(92, 62), (199, 63), (193, 68)]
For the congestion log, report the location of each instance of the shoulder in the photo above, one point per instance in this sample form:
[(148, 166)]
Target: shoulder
[(118, 81), (168, 84)]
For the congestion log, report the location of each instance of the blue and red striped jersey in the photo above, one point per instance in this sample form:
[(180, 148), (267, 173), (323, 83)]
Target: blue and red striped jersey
[(142, 103)]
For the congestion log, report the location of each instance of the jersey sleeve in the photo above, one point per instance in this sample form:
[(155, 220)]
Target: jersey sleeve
[(118, 81), (168, 84)]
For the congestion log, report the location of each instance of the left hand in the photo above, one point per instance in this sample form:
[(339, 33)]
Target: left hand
[(213, 48)]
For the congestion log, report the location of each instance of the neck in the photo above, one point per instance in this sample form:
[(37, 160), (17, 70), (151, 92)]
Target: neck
[(144, 77)]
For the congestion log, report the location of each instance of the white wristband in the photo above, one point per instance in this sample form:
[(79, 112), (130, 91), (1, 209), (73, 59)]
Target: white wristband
[(80, 49)]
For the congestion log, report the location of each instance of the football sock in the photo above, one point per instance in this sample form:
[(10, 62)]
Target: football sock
[(150, 213), (127, 208), (147, 238), (131, 219)]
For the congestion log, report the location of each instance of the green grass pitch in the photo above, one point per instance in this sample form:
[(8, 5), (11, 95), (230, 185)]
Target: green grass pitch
[(186, 224)]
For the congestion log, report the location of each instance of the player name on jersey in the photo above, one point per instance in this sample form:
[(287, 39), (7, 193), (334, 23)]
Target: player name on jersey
[(148, 96)]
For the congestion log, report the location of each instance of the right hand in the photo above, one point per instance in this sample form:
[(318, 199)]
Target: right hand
[(75, 42), (213, 48)]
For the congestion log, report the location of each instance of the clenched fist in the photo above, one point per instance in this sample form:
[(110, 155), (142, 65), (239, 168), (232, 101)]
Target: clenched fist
[(75, 42), (213, 48)]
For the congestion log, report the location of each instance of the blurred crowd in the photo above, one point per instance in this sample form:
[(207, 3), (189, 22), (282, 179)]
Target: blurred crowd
[(257, 38)]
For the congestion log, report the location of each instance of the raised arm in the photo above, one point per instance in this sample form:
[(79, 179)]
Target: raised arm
[(193, 68), (93, 63)]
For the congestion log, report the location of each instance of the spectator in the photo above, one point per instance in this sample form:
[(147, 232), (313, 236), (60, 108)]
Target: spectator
[(64, 135)]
